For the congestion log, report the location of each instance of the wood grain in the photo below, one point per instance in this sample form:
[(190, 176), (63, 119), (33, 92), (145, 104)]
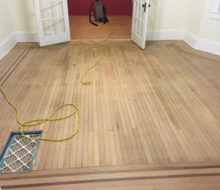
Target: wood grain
[(117, 177), (156, 106), (80, 28)]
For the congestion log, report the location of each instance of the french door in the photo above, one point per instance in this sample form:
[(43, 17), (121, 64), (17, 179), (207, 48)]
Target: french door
[(52, 21), (139, 22)]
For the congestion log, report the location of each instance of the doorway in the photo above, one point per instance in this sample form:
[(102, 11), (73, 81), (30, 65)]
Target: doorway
[(119, 14), (54, 27)]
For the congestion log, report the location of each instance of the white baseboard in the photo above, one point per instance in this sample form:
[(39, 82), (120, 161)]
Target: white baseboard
[(26, 37), (15, 37), (7, 45), (195, 42), (208, 46), (191, 39), (201, 44), (164, 34)]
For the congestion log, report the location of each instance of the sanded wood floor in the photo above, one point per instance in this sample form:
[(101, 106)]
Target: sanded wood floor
[(156, 106), (119, 27), (139, 177)]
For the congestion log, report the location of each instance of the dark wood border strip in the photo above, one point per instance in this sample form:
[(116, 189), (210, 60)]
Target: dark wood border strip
[(108, 180), (110, 171), (12, 68)]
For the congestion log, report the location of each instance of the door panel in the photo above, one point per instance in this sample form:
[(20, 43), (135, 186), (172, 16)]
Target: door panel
[(139, 22), (52, 21)]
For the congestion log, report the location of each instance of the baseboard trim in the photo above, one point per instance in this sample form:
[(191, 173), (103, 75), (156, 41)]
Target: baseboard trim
[(7, 45), (164, 34), (201, 44), (14, 38), (191, 39), (208, 46), (26, 37)]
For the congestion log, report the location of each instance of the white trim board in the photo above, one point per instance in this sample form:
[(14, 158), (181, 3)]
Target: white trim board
[(191, 39), (7, 45), (201, 44), (215, 15), (26, 37), (164, 34), (195, 42), (12, 40)]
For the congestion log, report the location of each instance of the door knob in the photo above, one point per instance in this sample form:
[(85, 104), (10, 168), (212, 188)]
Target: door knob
[(144, 6)]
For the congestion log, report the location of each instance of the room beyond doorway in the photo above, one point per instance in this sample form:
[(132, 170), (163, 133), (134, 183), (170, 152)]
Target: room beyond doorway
[(118, 13), (80, 28)]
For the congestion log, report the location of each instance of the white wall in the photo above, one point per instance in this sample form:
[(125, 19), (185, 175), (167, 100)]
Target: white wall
[(7, 29), (210, 28), (193, 15), (16, 16), (6, 25), (198, 21), (190, 15), (201, 31), (17, 24), (167, 14), (23, 16)]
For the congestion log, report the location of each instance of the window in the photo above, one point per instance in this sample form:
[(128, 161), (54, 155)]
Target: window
[(215, 10)]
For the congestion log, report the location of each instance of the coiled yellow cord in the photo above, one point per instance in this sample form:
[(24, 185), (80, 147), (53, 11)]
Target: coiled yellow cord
[(76, 106)]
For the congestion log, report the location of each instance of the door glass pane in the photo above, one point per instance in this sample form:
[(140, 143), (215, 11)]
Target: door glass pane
[(52, 17)]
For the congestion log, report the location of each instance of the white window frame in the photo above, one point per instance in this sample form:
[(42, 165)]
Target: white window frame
[(215, 10)]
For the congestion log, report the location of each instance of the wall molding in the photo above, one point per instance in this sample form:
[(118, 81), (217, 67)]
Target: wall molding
[(164, 34), (7, 45), (14, 38), (201, 44), (26, 36), (191, 39), (214, 15)]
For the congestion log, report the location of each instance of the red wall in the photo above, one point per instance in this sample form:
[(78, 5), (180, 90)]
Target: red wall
[(113, 7)]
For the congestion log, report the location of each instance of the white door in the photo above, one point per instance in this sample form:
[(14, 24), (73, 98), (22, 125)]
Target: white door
[(52, 21), (139, 22)]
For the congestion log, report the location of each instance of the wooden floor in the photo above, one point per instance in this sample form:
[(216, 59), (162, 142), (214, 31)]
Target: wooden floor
[(117, 178), (156, 106), (120, 26)]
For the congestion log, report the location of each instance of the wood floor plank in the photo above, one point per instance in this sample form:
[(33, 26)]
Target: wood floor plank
[(119, 27), (159, 105), (134, 177)]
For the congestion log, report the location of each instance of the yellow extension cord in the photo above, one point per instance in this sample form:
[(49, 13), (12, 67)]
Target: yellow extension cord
[(76, 106)]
